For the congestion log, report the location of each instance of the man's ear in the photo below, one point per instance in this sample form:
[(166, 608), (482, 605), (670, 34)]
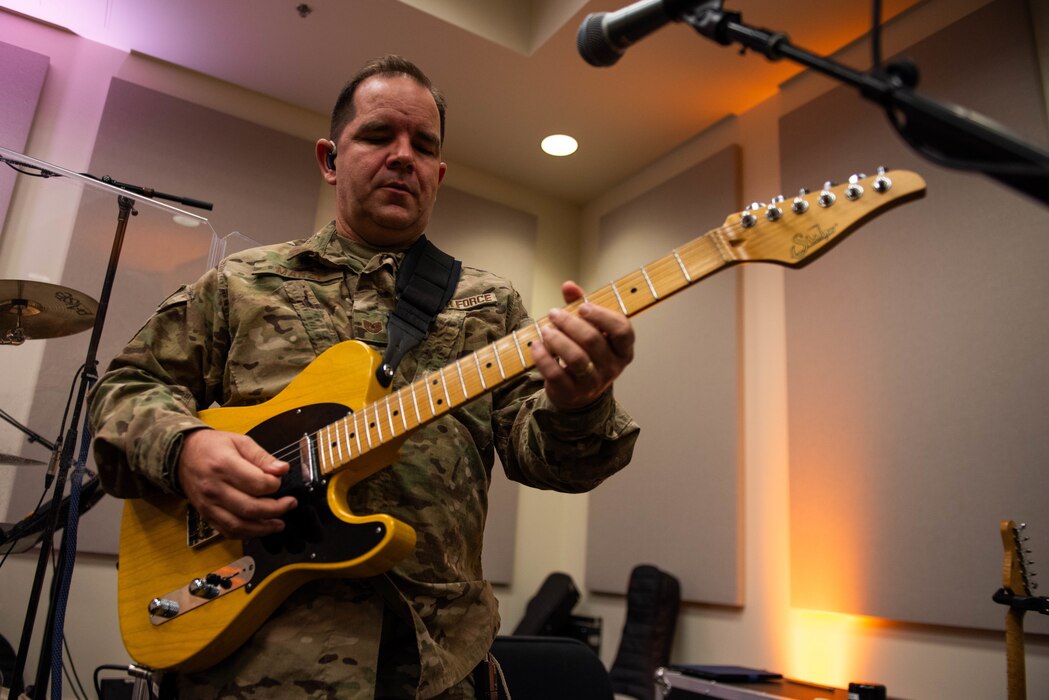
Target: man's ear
[(325, 152), (441, 171)]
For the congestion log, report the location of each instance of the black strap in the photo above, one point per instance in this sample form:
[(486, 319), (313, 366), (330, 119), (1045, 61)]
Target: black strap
[(425, 284), (486, 679)]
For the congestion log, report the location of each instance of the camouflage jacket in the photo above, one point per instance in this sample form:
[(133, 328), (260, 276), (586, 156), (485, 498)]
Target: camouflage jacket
[(244, 330)]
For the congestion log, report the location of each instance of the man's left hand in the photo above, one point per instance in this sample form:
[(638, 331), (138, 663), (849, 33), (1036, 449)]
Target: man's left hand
[(581, 355)]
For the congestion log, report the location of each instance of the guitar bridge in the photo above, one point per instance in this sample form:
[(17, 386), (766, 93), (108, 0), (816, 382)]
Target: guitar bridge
[(308, 460)]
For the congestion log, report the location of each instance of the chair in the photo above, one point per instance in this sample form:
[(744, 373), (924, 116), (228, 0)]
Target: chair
[(551, 668), (653, 601)]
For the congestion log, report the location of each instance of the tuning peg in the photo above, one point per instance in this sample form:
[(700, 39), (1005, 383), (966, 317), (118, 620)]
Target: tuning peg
[(854, 191), (826, 198), (882, 183), (800, 205), (774, 211), (747, 218)]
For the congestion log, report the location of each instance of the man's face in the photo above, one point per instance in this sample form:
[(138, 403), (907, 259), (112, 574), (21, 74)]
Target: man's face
[(388, 166)]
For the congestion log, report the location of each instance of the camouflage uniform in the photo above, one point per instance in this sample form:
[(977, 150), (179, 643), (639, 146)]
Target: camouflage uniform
[(239, 335)]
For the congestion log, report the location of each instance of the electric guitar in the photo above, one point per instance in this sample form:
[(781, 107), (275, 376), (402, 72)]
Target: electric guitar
[(187, 597), (1017, 593)]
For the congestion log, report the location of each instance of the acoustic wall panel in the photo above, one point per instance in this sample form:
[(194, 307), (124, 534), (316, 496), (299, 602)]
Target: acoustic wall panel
[(262, 182), (917, 354), (678, 504), (500, 239), (22, 74)]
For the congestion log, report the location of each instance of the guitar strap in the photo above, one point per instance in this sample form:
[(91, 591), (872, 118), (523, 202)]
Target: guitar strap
[(425, 283)]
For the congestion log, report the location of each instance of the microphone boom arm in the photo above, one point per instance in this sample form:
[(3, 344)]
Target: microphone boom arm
[(947, 134)]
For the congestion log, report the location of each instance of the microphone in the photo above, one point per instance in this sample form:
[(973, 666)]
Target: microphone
[(603, 36)]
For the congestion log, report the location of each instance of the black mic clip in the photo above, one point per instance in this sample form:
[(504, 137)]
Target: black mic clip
[(604, 36)]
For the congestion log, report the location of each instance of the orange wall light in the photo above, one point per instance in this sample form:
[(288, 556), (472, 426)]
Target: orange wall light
[(828, 648)]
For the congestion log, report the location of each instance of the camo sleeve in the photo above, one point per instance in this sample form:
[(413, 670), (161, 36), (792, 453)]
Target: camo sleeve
[(547, 448), (150, 394)]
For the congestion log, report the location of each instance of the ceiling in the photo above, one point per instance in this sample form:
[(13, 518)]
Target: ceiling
[(509, 68)]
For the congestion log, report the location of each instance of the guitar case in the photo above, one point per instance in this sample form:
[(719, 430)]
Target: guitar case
[(547, 613)]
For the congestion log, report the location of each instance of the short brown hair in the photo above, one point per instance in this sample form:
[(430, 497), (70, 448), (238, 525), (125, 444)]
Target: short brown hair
[(344, 110)]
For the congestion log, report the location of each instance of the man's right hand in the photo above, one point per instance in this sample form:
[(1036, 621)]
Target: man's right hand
[(228, 478)]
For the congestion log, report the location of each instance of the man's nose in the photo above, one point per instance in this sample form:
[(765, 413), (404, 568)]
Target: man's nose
[(401, 157)]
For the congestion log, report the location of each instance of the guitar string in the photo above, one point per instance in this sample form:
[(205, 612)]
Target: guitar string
[(290, 453)]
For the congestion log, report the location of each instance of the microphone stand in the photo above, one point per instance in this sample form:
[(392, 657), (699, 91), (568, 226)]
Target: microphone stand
[(56, 609), (947, 134)]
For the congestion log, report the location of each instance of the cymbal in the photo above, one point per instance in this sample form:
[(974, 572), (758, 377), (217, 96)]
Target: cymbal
[(16, 460), (31, 310)]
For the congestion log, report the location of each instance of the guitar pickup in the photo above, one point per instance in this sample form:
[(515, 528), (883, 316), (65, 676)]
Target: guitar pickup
[(198, 530)]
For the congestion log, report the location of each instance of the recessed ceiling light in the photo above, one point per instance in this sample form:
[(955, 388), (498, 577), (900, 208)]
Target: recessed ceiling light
[(559, 145)]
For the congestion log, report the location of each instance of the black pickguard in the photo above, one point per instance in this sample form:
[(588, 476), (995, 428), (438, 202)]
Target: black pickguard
[(312, 532)]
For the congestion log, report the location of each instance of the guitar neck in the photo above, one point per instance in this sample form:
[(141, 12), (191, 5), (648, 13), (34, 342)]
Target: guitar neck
[(416, 404), (1016, 671), (1016, 583), (788, 233)]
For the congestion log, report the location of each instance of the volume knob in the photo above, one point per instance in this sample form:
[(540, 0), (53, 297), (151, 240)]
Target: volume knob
[(163, 607), (202, 588)]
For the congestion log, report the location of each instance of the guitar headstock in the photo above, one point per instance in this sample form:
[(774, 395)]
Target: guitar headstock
[(1016, 576), (795, 232)]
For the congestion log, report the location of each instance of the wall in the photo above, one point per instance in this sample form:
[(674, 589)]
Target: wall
[(913, 661)]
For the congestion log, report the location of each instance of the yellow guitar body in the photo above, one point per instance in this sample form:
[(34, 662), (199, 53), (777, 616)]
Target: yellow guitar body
[(156, 560)]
